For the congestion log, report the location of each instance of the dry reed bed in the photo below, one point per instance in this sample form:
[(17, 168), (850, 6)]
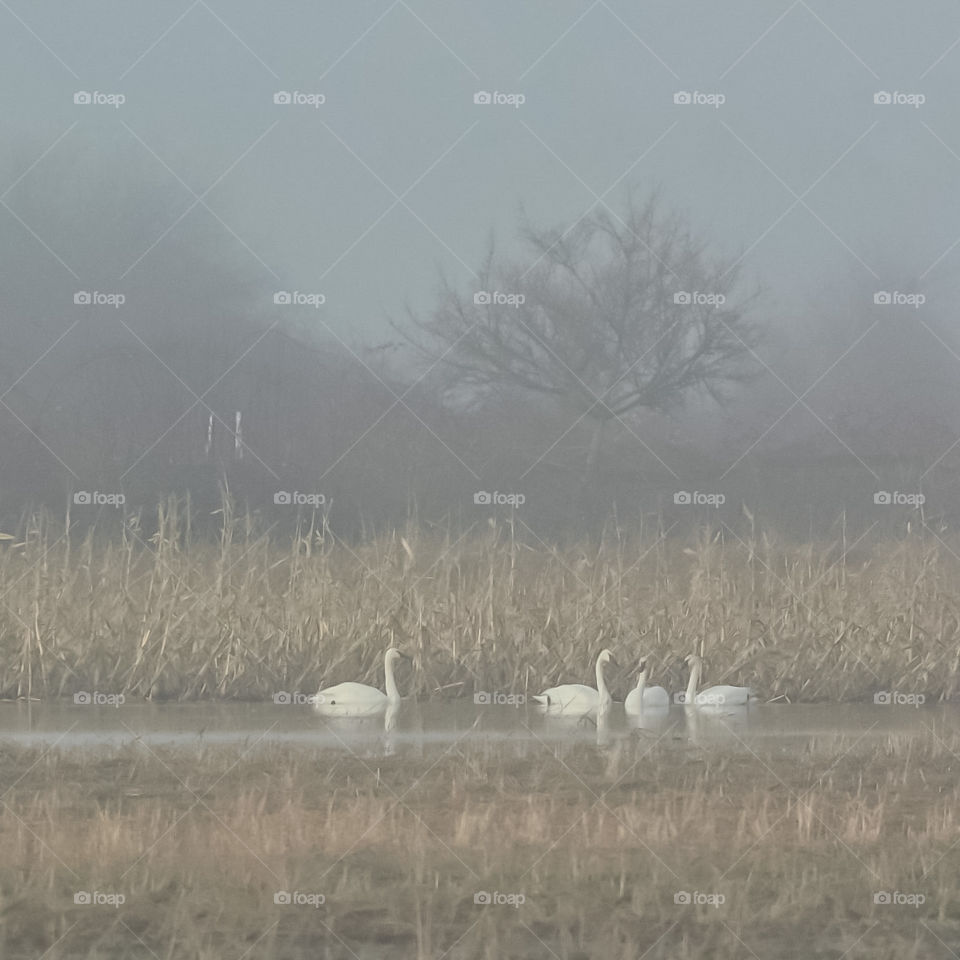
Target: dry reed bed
[(597, 841), (246, 617)]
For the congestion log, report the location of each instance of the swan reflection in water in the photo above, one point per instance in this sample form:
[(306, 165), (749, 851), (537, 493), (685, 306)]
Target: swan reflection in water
[(604, 737), (650, 718), (389, 726), (730, 724), (367, 736)]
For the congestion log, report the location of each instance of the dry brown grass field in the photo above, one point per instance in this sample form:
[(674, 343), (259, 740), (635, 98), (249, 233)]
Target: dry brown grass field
[(584, 852)]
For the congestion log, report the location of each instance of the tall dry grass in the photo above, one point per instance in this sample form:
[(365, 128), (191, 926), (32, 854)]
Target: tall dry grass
[(176, 616)]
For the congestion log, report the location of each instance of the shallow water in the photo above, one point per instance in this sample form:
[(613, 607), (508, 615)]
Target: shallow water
[(442, 725)]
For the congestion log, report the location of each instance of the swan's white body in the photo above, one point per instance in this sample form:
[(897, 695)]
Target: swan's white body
[(642, 697), (359, 699), (713, 698), (577, 697)]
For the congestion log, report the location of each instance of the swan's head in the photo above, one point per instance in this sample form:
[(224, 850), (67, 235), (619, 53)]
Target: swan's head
[(693, 661), (606, 657), (393, 655), (643, 665)]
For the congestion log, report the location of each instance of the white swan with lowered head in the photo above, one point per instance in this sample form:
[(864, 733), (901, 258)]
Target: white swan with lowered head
[(359, 699), (577, 697), (642, 696), (715, 698)]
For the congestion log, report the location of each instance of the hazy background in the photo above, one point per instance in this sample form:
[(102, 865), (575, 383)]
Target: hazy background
[(199, 198)]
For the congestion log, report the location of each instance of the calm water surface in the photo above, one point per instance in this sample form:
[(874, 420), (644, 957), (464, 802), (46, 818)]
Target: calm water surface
[(441, 725)]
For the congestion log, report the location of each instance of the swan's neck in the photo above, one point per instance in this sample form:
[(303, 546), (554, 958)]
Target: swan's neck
[(601, 683), (642, 682), (692, 683), (393, 694)]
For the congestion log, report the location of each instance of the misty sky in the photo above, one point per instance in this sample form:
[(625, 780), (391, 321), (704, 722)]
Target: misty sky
[(399, 172)]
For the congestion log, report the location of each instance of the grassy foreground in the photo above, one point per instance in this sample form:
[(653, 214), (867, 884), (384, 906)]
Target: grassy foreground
[(659, 848), (245, 618)]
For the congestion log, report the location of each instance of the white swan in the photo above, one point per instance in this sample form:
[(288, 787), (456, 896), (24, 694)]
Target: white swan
[(577, 697), (642, 696), (713, 697), (358, 699)]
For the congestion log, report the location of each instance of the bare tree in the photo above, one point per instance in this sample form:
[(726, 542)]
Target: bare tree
[(618, 313)]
